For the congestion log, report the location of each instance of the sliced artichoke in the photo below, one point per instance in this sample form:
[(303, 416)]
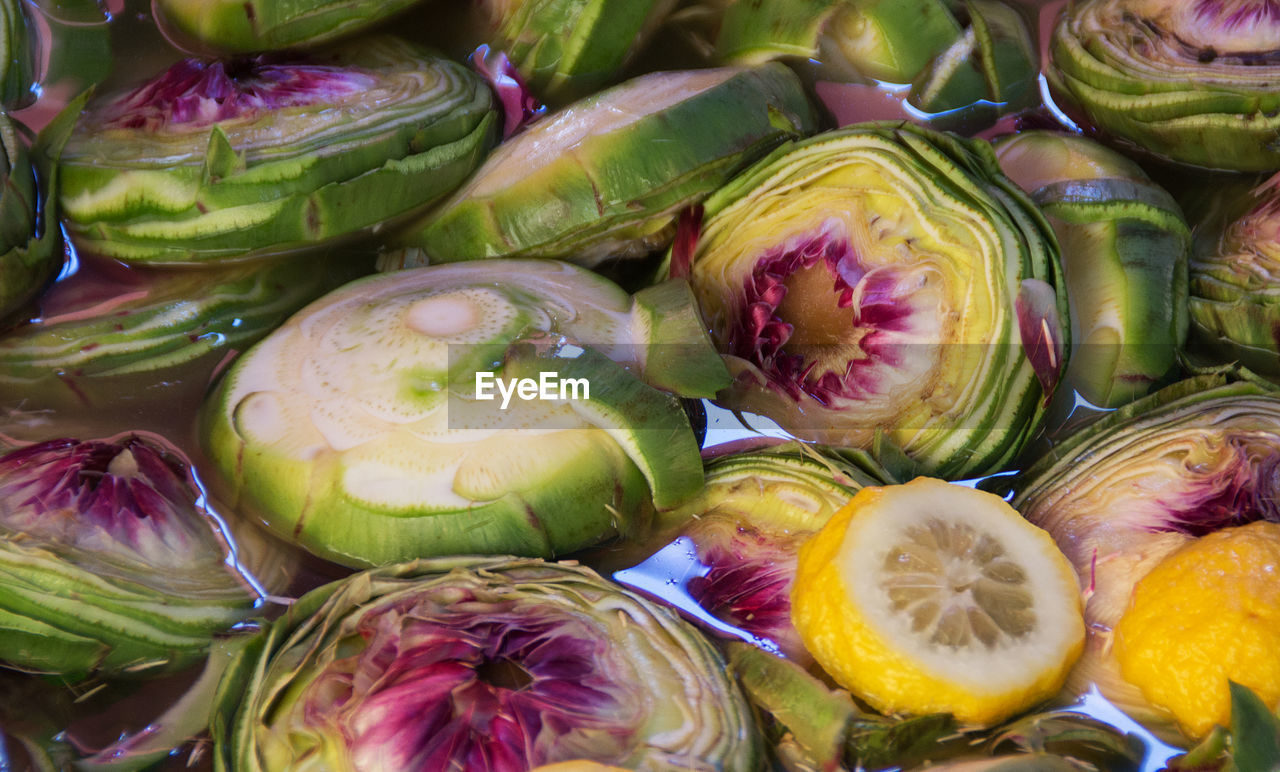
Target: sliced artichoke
[(362, 430), (1235, 289), (568, 48), (1190, 81), (742, 532), (885, 286), (607, 176), (103, 332), (483, 664), (238, 27), (1124, 253), (109, 564), (228, 160)]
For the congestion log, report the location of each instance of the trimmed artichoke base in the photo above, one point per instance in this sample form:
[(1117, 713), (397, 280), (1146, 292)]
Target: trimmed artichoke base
[(359, 428)]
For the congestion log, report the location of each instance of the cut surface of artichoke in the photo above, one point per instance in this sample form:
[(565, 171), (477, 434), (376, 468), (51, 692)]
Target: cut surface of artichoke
[(927, 597), (230, 160), (1189, 81), (884, 281), (360, 430)]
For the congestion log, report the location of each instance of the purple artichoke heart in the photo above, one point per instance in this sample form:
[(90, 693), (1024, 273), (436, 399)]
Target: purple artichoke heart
[(103, 496)]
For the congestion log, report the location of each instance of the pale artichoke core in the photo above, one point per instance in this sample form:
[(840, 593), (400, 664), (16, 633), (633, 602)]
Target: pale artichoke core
[(452, 678), (194, 94)]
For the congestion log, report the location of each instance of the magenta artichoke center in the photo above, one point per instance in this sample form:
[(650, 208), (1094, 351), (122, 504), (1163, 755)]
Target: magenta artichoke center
[(467, 683), (1240, 485), (815, 321), (101, 495), (749, 573), (194, 93)]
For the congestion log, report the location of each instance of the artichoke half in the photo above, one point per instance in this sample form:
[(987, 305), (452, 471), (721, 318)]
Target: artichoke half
[(1124, 253), (483, 665), (228, 160), (566, 49), (119, 331), (1235, 289), (885, 286), (107, 562), (1190, 81), (238, 27), (365, 429), (607, 176)]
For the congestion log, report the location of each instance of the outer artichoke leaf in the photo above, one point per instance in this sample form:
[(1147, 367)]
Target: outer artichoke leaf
[(364, 428), (678, 357), (230, 26), (840, 279), (29, 241), (1255, 731), (817, 716), (567, 48)]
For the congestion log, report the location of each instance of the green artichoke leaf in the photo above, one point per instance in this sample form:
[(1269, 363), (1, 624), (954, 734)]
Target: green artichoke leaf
[(885, 286), (102, 333), (565, 49), (458, 409), (108, 563), (236, 27), (30, 242), (1235, 289), (994, 60), (1125, 247), (293, 153), (1190, 82), (17, 55), (607, 176), (343, 679)]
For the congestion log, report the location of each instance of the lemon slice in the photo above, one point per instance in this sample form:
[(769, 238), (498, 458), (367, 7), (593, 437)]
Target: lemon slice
[(931, 597)]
